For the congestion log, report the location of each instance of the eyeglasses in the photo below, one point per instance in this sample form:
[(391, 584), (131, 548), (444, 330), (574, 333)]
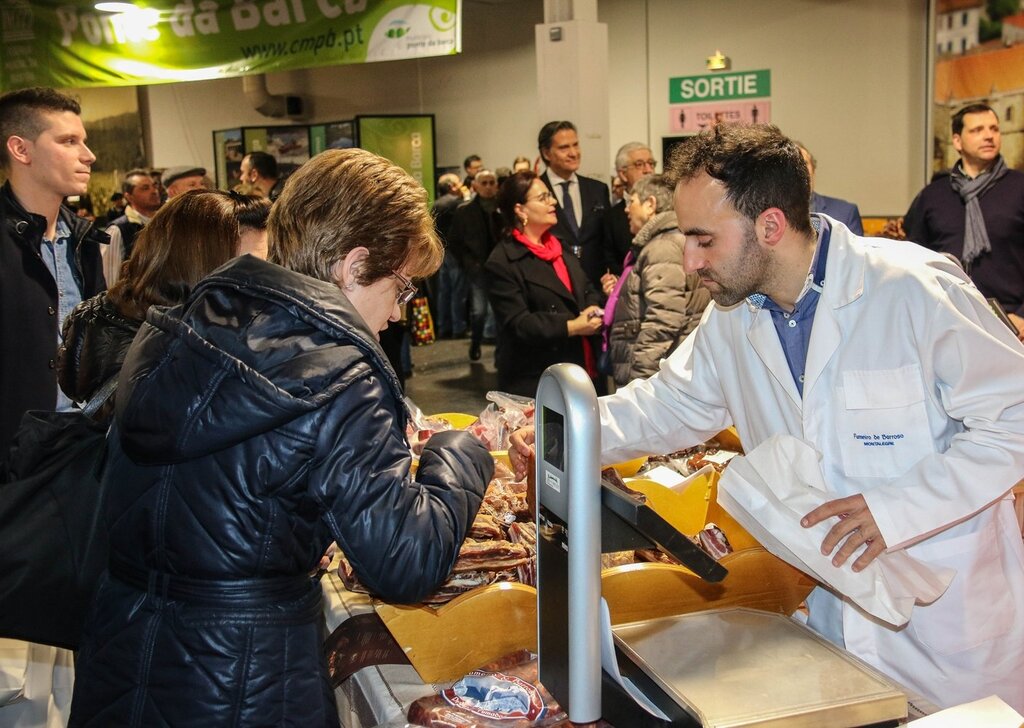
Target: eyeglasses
[(544, 197), (642, 164), (408, 289)]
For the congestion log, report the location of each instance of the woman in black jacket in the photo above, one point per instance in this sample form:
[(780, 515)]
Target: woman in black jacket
[(544, 304), (192, 235), (256, 423)]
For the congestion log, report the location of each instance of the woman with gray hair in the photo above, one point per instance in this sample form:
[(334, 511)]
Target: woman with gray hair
[(255, 424), (654, 305)]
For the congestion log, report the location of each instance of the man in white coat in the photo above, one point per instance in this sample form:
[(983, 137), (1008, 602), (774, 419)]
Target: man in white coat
[(834, 338)]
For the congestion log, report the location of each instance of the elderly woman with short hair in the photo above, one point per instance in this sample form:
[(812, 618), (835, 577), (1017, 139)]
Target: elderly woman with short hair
[(256, 423), (655, 304)]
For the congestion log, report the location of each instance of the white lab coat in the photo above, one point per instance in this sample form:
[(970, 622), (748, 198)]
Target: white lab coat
[(903, 350)]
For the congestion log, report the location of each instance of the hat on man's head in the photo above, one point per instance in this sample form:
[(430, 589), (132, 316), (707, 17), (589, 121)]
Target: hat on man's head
[(172, 174)]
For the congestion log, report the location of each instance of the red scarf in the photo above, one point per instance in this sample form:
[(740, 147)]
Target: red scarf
[(550, 250)]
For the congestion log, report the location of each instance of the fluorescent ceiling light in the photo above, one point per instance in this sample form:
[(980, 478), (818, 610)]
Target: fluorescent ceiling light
[(114, 7)]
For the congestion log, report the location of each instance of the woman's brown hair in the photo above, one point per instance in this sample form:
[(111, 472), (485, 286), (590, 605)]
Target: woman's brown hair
[(345, 198), (192, 235)]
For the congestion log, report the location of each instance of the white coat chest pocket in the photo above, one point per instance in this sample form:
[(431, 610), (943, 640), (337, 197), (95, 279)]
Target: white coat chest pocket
[(882, 421)]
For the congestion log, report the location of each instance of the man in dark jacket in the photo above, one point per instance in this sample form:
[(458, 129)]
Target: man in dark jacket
[(449, 292), (633, 161), (49, 258), (260, 170), (582, 202), (471, 239), (976, 212)]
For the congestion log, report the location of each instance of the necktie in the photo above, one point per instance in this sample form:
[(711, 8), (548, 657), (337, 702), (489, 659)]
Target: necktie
[(570, 210)]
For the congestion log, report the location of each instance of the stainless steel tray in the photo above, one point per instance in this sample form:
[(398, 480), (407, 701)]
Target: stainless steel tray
[(743, 667)]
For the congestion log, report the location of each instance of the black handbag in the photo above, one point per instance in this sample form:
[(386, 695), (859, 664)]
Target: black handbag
[(53, 540)]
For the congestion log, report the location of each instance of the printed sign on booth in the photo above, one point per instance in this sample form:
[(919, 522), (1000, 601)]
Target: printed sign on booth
[(74, 45)]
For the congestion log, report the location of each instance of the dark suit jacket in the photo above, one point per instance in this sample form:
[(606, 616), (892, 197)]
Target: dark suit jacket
[(619, 237), (472, 236), (532, 307), (443, 212), (592, 236), (843, 211)]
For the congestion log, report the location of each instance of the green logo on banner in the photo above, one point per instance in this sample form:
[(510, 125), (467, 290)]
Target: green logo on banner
[(720, 87)]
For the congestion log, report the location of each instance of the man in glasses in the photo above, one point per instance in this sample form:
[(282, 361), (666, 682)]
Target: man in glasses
[(633, 161)]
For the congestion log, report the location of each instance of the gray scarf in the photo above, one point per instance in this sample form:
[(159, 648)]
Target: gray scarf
[(976, 239)]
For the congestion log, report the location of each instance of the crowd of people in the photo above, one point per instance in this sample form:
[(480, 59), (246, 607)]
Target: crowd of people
[(243, 332)]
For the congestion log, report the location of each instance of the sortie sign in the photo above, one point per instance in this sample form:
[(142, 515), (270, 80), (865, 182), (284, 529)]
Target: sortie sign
[(720, 87)]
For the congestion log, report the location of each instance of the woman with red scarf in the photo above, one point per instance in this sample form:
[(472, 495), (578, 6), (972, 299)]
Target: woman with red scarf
[(544, 304)]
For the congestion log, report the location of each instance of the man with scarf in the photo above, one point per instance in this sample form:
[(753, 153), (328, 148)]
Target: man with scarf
[(975, 212)]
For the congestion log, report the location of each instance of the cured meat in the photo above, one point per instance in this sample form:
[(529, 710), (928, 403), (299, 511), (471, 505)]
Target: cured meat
[(713, 540), (463, 582), (525, 533), (490, 556), (486, 527), (506, 501)]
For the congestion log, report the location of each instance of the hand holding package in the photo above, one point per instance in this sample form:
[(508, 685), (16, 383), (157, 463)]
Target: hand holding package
[(770, 489)]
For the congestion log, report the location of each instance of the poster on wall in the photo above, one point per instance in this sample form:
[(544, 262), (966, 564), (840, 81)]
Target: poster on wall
[(228, 150), (335, 135), (700, 102), (408, 141), (979, 58), (74, 44), (289, 145)]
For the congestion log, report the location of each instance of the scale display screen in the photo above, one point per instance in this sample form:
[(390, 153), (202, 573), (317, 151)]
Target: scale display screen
[(553, 438)]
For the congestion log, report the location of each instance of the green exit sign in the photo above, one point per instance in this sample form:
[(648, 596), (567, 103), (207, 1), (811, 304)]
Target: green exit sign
[(720, 87)]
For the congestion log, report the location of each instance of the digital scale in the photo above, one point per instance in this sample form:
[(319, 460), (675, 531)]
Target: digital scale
[(725, 668)]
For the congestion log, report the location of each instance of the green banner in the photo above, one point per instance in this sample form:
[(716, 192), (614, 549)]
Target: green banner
[(74, 45), (720, 87), (408, 141)]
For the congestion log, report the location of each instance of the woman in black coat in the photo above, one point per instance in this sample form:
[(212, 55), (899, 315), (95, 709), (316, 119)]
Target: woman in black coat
[(256, 423), (188, 238), (544, 304)]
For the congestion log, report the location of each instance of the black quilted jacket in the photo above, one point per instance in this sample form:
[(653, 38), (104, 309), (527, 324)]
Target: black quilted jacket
[(255, 424), (96, 340)]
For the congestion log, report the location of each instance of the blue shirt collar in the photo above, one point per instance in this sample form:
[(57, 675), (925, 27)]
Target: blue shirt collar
[(816, 274)]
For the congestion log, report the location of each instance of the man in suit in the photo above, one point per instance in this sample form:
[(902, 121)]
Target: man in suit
[(633, 161), (843, 211), (582, 202), (471, 239)]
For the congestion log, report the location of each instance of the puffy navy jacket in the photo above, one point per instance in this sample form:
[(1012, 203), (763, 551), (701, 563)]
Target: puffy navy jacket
[(255, 424)]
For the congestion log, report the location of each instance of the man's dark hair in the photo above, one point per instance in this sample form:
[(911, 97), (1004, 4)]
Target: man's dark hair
[(128, 183), (758, 166), (548, 131), (469, 160), (264, 164), (21, 114), (958, 118)]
